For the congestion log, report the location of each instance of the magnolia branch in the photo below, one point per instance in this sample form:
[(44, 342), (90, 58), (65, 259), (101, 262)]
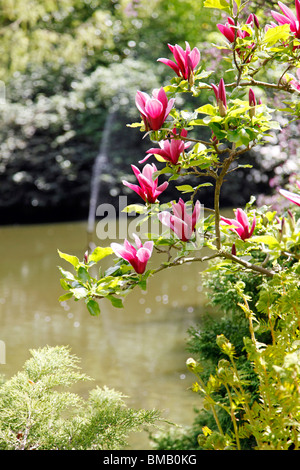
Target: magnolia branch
[(252, 81), (247, 265), (196, 259), (220, 254)]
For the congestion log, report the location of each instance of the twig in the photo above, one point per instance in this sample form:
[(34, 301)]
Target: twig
[(247, 265)]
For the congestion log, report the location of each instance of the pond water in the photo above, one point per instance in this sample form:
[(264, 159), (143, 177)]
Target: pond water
[(139, 350)]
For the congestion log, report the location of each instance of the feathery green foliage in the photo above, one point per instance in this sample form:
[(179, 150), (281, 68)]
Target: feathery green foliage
[(38, 412)]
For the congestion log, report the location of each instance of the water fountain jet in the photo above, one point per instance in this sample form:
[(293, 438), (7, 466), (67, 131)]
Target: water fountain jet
[(100, 164)]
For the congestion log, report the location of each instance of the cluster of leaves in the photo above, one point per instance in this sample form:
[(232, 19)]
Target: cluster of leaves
[(273, 305), (262, 399), (38, 412)]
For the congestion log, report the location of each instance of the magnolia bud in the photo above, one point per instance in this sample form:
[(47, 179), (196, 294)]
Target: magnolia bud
[(256, 22), (214, 139), (291, 220), (252, 102), (191, 79), (220, 93), (222, 108)]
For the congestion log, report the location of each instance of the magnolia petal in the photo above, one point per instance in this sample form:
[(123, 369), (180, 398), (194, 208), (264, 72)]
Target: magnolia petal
[(162, 188), (252, 226), (222, 92), (216, 91), (146, 158), (156, 151), (165, 218), (149, 246), (140, 100), (281, 19), (293, 197), (137, 240), (143, 255), (171, 64), (148, 171), (129, 247), (242, 218), (297, 5), (135, 170), (153, 109), (121, 252), (196, 214), (134, 188), (195, 57), (169, 107), (162, 97), (146, 184), (179, 209), (179, 55), (182, 229), (225, 221), (287, 11), (227, 32)]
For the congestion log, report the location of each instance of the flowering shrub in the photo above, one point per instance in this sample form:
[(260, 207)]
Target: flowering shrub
[(259, 240)]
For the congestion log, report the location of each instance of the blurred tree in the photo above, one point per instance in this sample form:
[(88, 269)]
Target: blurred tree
[(62, 32)]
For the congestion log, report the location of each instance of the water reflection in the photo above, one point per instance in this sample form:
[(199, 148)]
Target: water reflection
[(138, 350)]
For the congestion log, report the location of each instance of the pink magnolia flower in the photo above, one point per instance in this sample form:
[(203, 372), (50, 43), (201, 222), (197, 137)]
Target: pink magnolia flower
[(220, 93), (240, 224), (181, 222), (293, 197), (289, 17), (185, 60), (296, 83), (170, 150), (228, 30), (137, 257), (147, 189), (154, 110)]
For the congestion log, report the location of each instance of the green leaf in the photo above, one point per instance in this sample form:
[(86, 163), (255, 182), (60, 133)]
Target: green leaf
[(219, 4), (93, 307), (267, 239), (64, 284), (115, 302), (186, 188), (100, 253), (66, 274), (135, 124), (138, 208), (79, 292), (65, 297), (204, 185), (83, 275), (71, 259), (278, 33), (207, 109)]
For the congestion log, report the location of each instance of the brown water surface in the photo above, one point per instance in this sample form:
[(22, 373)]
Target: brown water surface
[(139, 350)]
